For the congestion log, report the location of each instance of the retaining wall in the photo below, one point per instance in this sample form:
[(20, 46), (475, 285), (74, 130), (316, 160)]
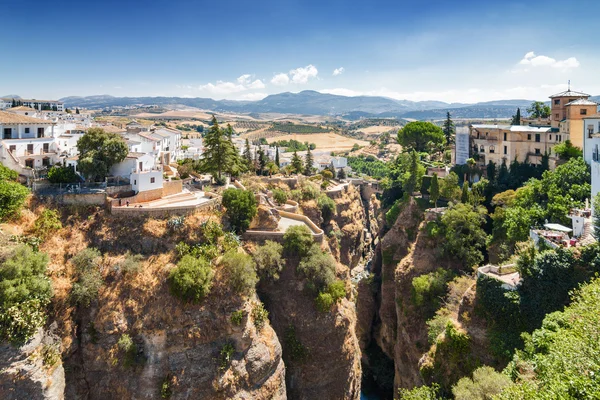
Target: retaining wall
[(98, 199), (112, 190), (317, 233), (167, 211), (172, 187)]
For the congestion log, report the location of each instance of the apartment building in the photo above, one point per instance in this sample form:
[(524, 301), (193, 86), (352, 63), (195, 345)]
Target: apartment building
[(569, 109), (500, 143), (51, 105)]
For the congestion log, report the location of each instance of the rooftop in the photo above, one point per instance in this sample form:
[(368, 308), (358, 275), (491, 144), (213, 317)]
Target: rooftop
[(582, 102), (132, 154), (12, 118), (22, 108), (570, 93), (513, 128)]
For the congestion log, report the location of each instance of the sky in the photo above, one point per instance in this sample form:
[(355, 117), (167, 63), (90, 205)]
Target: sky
[(453, 51)]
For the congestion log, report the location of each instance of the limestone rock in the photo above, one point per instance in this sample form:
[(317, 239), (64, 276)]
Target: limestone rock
[(266, 219)]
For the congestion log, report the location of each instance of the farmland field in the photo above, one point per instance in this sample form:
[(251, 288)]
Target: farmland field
[(324, 141)]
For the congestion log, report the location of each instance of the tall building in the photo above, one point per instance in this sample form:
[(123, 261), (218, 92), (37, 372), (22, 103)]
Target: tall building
[(569, 108)]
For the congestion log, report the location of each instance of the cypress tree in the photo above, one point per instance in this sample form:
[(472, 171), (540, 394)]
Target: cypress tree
[(516, 120), (248, 154), (308, 162), (464, 197), (341, 174), (448, 128), (277, 157)]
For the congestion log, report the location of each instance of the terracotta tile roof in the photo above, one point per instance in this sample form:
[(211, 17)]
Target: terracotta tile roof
[(570, 93), (12, 118)]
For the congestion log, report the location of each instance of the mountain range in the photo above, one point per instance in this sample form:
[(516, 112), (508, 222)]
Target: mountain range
[(310, 102)]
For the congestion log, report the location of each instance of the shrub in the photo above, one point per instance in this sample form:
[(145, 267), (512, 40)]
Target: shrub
[(259, 315), (297, 240), (46, 224), (192, 279), (58, 174), (25, 291), (280, 196), (318, 268), (309, 190), (131, 264), (176, 223), (7, 174), (240, 268), (486, 383), (297, 351), (420, 393), (12, 198), (324, 301), (128, 348), (89, 279), (437, 325), (269, 263), (225, 355), (86, 259), (327, 207), (241, 207), (212, 231), (237, 317), (428, 289), (50, 355), (165, 388), (231, 241)]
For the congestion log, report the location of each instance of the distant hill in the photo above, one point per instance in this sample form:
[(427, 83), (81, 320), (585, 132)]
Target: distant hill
[(310, 102)]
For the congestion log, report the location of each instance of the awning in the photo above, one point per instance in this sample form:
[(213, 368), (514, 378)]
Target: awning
[(557, 227)]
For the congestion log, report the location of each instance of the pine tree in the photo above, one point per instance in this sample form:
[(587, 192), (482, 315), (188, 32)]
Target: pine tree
[(262, 160), (220, 155), (308, 161), (464, 197), (434, 190), (341, 174), (76, 110), (14, 103), (276, 157), (516, 120), (248, 155), (297, 165), (448, 128)]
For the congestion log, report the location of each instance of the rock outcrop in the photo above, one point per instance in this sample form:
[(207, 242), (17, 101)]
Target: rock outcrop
[(266, 219), (33, 371)]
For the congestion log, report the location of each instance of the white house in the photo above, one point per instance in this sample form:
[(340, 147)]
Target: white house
[(591, 150), (27, 143), (141, 170)]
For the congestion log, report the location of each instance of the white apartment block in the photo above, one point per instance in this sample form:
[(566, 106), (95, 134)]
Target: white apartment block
[(50, 105), (591, 150)]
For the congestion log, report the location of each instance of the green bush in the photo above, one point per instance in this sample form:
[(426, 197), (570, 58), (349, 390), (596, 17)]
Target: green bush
[(192, 279), (420, 393), (7, 174), (309, 190), (486, 383), (240, 268), (437, 325), (237, 317), (334, 293), (12, 198), (269, 263), (89, 278), (226, 354), (297, 240), (25, 291), (259, 315), (50, 355), (280, 196), (231, 241), (297, 351), (46, 224), (128, 348), (240, 208), (86, 259), (58, 174), (212, 231), (166, 391), (318, 268), (392, 214), (428, 289), (327, 207), (324, 302)]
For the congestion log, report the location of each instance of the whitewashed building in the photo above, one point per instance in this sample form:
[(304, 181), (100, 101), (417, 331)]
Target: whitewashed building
[(55, 105)]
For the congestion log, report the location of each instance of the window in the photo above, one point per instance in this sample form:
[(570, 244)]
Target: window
[(492, 149), (30, 149), (537, 137), (7, 133), (46, 147), (557, 102), (46, 162), (40, 132), (529, 136), (590, 130), (583, 111), (135, 181), (556, 116), (549, 137), (504, 135), (12, 148), (26, 130), (505, 150), (152, 180), (537, 151), (482, 149)]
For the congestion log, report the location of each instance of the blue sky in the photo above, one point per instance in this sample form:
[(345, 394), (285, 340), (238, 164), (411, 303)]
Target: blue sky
[(455, 51)]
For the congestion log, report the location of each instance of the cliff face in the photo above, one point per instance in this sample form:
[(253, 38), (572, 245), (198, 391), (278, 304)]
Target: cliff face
[(320, 350), (32, 371)]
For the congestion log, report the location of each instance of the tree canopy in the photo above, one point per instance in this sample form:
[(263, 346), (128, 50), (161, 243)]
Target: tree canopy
[(241, 207), (220, 154), (539, 110), (417, 134), (98, 151)]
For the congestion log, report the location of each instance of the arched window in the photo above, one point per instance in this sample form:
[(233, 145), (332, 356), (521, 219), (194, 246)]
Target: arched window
[(492, 149), (482, 149)]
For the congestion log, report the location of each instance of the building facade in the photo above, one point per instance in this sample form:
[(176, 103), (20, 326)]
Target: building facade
[(568, 110)]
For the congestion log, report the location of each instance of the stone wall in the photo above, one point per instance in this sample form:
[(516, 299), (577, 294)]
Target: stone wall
[(112, 190), (166, 211), (172, 187), (98, 199)]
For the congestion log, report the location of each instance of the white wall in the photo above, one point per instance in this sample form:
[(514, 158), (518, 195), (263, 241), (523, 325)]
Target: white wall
[(143, 181)]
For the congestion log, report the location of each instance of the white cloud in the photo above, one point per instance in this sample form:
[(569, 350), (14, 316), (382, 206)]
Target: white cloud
[(338, 71), (243, 84), (302, 75), (299, 76), (533, 60), (280, 79), (252, 96)]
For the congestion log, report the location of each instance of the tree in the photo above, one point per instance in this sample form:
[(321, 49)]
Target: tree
[(58, 174), (464, 196), (240, 269), (76, 110), (539, 110), (297, 165), (14, 103), (12, 193), (248, 155), (486, 384), (449, 188), (268, 259), (434, 190), (516, 119), (241, 207), (308, 163), (318, 267), (341, 175), (412, 177), (565, 151), (416, 135), (277, 157), (98, 151), (262, 161), (297, 240), (220, 155), (448, 128), (271, 168)]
